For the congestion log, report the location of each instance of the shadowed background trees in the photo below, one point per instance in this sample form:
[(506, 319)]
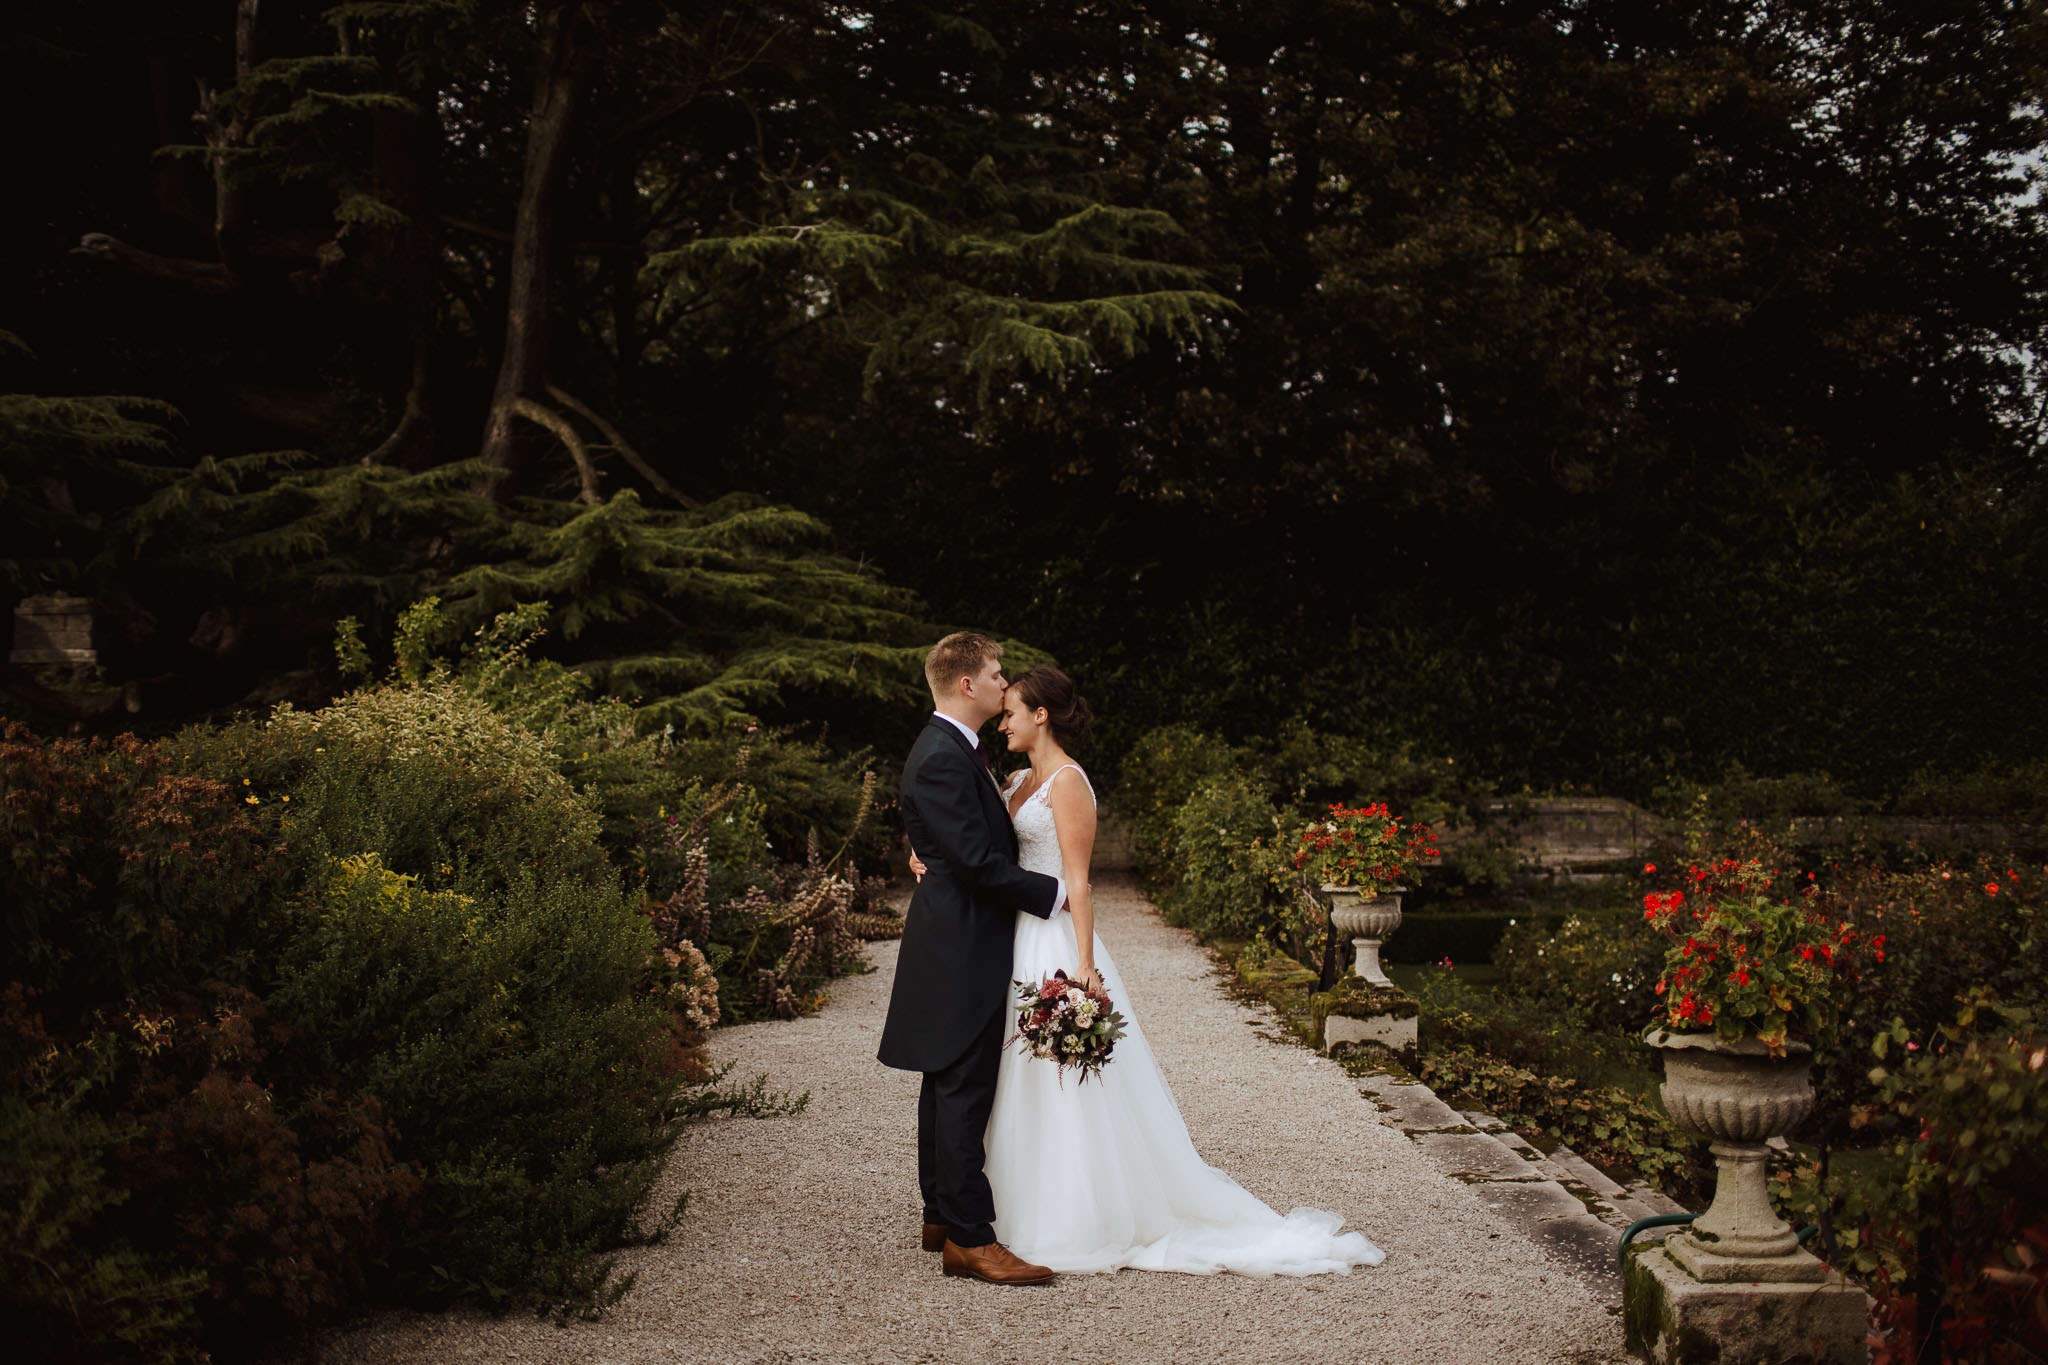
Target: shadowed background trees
[(1590, 392)]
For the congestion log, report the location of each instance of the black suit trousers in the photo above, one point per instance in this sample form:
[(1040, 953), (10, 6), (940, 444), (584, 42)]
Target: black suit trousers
[(952, 1119)]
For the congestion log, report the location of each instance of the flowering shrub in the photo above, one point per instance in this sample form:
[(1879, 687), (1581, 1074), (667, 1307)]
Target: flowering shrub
[(178, 1166), (768, 945), (1745, 961), (440, 786), (1596, 972), (1227, 876), (1363, 847), (1958, 1247), (1945, 934)]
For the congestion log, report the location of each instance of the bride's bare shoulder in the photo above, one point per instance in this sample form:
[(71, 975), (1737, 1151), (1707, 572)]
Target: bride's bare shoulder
[(1078, 782)]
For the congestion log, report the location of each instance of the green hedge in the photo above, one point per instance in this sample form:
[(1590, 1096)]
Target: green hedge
[(1471, 936)]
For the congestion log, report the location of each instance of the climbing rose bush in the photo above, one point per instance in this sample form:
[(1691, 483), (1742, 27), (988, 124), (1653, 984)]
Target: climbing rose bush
[(1365, 847), (1745, 961)]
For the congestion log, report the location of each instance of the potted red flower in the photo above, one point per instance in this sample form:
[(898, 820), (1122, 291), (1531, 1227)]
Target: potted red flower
[(1751, 979), (1360, 856)]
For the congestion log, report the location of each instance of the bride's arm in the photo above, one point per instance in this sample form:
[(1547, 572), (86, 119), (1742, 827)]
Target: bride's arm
[(1073, 816)]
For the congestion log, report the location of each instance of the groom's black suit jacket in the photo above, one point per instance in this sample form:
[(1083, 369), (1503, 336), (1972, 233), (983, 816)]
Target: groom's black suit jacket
[(954, 969)]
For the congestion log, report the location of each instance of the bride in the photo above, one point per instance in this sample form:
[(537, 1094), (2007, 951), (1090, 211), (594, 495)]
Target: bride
[(1100, 1176)]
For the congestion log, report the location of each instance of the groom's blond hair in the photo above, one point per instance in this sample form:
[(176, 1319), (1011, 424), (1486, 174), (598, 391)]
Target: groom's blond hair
[(959, 655)]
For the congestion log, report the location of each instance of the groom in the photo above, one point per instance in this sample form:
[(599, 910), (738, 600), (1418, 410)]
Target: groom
[(948, 1011)]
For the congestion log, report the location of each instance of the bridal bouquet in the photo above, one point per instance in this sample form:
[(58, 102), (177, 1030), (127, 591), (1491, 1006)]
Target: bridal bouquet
[(1067, 1025)]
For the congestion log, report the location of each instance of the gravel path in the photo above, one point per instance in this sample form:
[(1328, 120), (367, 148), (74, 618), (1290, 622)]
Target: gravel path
[(800, 1243)]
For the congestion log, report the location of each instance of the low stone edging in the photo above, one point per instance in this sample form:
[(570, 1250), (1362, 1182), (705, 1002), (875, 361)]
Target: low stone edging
[(1568, 1206)]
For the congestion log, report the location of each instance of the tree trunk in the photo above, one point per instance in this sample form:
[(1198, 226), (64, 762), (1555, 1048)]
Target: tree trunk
[(624, 269), (569, 48), (230, 200), (406, 147), (1333, 953)]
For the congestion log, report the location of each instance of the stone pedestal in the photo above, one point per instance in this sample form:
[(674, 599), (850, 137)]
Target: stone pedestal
[(1356, 1011), (1674, 1319), (1366, 921), (1392, 1033), (1741, 1238), (1736, 1092)]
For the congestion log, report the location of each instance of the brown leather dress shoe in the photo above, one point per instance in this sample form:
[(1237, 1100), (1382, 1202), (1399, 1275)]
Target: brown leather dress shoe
[(994, 1263), (935, 1236)]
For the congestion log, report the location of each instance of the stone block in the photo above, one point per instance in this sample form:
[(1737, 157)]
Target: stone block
[(1673, 1319), (1392, 1032), (1476, 1156), (53, 629), (1413, 1108), (1587, 1174), (1356, 1011), (1553, 1218)]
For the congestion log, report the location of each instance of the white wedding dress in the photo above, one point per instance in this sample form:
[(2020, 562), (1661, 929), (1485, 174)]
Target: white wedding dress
[(1103, 1175)]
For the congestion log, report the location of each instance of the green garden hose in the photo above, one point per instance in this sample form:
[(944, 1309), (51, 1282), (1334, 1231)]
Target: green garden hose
[(1660, 1220)]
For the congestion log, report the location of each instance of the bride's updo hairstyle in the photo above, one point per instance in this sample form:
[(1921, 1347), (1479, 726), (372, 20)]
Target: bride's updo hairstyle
[(1066, 715)]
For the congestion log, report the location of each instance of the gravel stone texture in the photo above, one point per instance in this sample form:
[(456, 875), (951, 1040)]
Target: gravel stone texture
[(800, 1243)]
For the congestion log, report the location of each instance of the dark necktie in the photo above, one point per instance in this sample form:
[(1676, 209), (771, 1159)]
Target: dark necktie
[(981, 754)]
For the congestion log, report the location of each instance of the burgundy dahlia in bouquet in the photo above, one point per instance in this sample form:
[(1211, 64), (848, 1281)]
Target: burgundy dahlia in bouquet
[(1063, 1023)]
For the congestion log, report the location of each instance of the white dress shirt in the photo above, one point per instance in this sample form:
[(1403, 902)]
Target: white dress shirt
[(974, 742)]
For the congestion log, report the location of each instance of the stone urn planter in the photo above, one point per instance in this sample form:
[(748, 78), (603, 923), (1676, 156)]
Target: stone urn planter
[(1736, 1093), (1366, 921)]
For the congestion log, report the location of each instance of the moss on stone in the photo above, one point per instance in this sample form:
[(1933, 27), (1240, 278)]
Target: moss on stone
[(1289, 989), (1279, 971), (1642, 1300), (1651, 1327), (1648, 1322), (1355, 998)]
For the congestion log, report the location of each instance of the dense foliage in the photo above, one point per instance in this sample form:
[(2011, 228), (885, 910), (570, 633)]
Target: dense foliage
[(397, 1000), (1961, 1242), (1474, 379), (1408, 401)]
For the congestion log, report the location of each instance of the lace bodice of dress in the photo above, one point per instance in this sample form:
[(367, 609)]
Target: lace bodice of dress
[(1038, 840)]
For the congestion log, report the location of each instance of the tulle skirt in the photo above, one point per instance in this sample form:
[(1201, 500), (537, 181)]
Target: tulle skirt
[(1102, 1176)]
